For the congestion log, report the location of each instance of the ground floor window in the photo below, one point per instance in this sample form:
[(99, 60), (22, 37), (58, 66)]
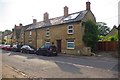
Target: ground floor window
[(70, 44), (47, 42)]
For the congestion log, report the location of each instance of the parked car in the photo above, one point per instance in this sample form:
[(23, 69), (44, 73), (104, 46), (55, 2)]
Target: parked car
[(16, 48), (1, 46), (6, 47), (47, 50), (27, 49)]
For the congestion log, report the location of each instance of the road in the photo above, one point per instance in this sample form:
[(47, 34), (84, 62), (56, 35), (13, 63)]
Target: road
[(61, 66)]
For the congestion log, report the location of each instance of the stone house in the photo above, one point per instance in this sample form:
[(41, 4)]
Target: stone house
[(112, 33), (7, 38), (65, 31), (16, 33)]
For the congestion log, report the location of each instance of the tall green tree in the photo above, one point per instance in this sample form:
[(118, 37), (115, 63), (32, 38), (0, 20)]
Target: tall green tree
[(90, 37), (103, 28)]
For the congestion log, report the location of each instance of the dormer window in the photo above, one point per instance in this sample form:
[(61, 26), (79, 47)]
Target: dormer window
[(47, 32), (70, 29)]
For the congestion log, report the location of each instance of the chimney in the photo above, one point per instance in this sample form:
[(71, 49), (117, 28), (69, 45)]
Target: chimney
[(15, 25), (34, 21), (46, 16), (65, 11), (12, 30), (20, 24), (88, 5)]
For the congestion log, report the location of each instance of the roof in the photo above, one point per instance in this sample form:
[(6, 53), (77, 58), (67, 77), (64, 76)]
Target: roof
[(60, 20), (113, 31)]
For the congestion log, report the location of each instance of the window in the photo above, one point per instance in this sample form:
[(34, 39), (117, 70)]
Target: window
[(47, 42), (30, 42), (73, 16), (22, 35), (47, 32), (30, 34), (70, 29), (70, 44)]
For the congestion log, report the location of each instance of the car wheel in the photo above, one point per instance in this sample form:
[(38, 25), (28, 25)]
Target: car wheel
[(27, 52), (21, 51), (37, 53), (56, 54)]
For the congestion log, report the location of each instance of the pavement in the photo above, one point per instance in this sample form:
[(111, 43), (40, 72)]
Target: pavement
[(10, 72), (99, 55)]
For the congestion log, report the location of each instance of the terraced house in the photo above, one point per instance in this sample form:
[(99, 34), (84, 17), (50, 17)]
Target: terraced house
[(65, 31), (18, 34)]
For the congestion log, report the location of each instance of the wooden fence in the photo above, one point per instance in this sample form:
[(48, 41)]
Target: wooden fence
[(107, 46)]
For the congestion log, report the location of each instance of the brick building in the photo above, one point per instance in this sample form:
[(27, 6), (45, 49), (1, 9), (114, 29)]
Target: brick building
[(65, 31)]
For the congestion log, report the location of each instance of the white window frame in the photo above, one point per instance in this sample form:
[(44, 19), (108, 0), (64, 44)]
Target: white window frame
[(72, 42), (48, 32), (30, 34), (30, 42), (68, 29), (47, 42), (22, 35)]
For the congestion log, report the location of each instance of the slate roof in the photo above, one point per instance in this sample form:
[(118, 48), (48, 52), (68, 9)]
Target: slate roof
[(60, 20)]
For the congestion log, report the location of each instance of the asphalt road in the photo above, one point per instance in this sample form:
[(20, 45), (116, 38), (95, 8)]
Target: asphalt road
[(61, 66)]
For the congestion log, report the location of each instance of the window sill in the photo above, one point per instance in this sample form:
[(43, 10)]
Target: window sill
[(70, 48), (70, 33)]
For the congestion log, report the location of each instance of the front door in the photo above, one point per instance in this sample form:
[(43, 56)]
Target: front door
[(59, 46)]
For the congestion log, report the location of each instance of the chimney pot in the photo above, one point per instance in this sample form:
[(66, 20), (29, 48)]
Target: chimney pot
[(88, 5), (65, 11)]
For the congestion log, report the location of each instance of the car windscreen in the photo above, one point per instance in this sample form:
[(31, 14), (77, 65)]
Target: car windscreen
[(45, 46)]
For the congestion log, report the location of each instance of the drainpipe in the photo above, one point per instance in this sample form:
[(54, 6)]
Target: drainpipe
[(24, 37), (36, 37)]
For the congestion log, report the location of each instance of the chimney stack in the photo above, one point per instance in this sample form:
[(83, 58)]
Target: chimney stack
[(88, 5), (34, 21), (65, 11), (46, 16), (15, 25), (20, 24)]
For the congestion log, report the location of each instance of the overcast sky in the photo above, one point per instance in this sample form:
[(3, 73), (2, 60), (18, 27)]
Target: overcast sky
[(23, 11)]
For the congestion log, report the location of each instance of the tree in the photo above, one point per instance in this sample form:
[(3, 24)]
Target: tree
[(90, 37), (7, 32), (103, 28)]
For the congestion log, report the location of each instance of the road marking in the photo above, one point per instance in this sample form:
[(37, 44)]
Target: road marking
[(74, 64)]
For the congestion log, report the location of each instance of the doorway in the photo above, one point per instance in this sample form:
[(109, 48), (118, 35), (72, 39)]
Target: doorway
[(59, 46)]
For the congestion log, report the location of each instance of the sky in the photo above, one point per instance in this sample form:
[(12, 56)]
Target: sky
[(24, 11)]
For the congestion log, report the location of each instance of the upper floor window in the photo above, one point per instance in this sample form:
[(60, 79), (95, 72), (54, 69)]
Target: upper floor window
[(47, 32), (30, 34), (70, 29), (22, 35)]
